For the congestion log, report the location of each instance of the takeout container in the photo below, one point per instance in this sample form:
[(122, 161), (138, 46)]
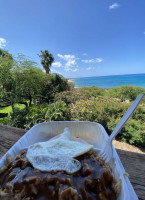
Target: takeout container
[(92, 132)]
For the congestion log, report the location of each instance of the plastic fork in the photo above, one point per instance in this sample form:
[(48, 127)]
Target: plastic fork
[(107, 152)]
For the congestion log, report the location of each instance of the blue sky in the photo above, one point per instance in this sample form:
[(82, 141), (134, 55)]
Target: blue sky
[(86, 37)]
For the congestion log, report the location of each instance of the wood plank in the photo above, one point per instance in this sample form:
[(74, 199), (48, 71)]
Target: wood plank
[(134, 164), (140, 190), (8, 137)]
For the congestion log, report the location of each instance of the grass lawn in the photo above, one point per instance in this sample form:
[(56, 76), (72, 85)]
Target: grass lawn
[(6, 110), (9, 108)]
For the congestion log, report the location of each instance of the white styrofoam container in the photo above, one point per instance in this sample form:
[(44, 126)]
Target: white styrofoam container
[(92, 132)]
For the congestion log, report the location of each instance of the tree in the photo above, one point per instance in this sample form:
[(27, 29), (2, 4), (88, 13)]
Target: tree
[(5, 54), (29, 79), (19, 82), (46, 60), (6, 65)]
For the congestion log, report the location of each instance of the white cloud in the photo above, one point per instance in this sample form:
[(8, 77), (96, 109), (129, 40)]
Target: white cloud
[(96, 60), (2, 42), (70, 62), (99, 60), (56, 64), (84, 54), (114, 6), (71, 70), (75, 70), (89, 68), (66, 57)]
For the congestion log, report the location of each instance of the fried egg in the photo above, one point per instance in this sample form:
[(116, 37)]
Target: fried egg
[(58, 154)]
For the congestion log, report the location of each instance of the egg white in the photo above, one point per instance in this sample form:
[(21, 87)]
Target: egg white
[(58, 154)]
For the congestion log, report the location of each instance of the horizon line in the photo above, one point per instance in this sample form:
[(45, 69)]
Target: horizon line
[(107, 75)]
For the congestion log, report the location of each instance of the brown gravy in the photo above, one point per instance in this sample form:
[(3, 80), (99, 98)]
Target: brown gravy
[(94, 181)]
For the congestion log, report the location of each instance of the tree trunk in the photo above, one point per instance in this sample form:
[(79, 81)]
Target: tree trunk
[(13, 107), (47, 71), (30, 98)]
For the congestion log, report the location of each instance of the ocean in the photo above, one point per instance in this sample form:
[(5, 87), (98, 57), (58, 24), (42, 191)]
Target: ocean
[(111, 81)]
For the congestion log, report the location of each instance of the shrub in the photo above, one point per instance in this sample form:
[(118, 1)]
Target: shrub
[(100, 111), (133, 132), (70, 96), (108, 114), (125, 92), (90, 92), (139, 114), (59, 83), (18, 118), (26, 118), (5, 120), (52, 85), (79, 94), (83, 110), (73, 105)]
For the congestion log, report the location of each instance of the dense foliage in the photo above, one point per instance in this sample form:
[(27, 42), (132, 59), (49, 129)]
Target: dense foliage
[(26, 118), (50, 97), (22, 81), (126, 92)]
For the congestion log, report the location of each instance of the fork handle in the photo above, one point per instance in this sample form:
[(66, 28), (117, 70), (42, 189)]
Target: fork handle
[(125, 117)]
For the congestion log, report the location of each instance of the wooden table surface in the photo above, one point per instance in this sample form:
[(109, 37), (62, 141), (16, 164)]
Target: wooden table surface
[(134, 163)]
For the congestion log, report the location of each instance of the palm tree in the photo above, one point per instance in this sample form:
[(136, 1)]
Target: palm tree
[(46, 60)]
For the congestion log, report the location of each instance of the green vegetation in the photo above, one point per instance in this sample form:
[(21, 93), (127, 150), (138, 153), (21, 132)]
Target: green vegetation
[(126, 92), (29, 96)]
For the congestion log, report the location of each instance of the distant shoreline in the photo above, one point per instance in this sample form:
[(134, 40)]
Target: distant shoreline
[(71, 81)]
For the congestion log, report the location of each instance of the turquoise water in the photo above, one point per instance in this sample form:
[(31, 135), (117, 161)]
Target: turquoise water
[(111, 81)]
